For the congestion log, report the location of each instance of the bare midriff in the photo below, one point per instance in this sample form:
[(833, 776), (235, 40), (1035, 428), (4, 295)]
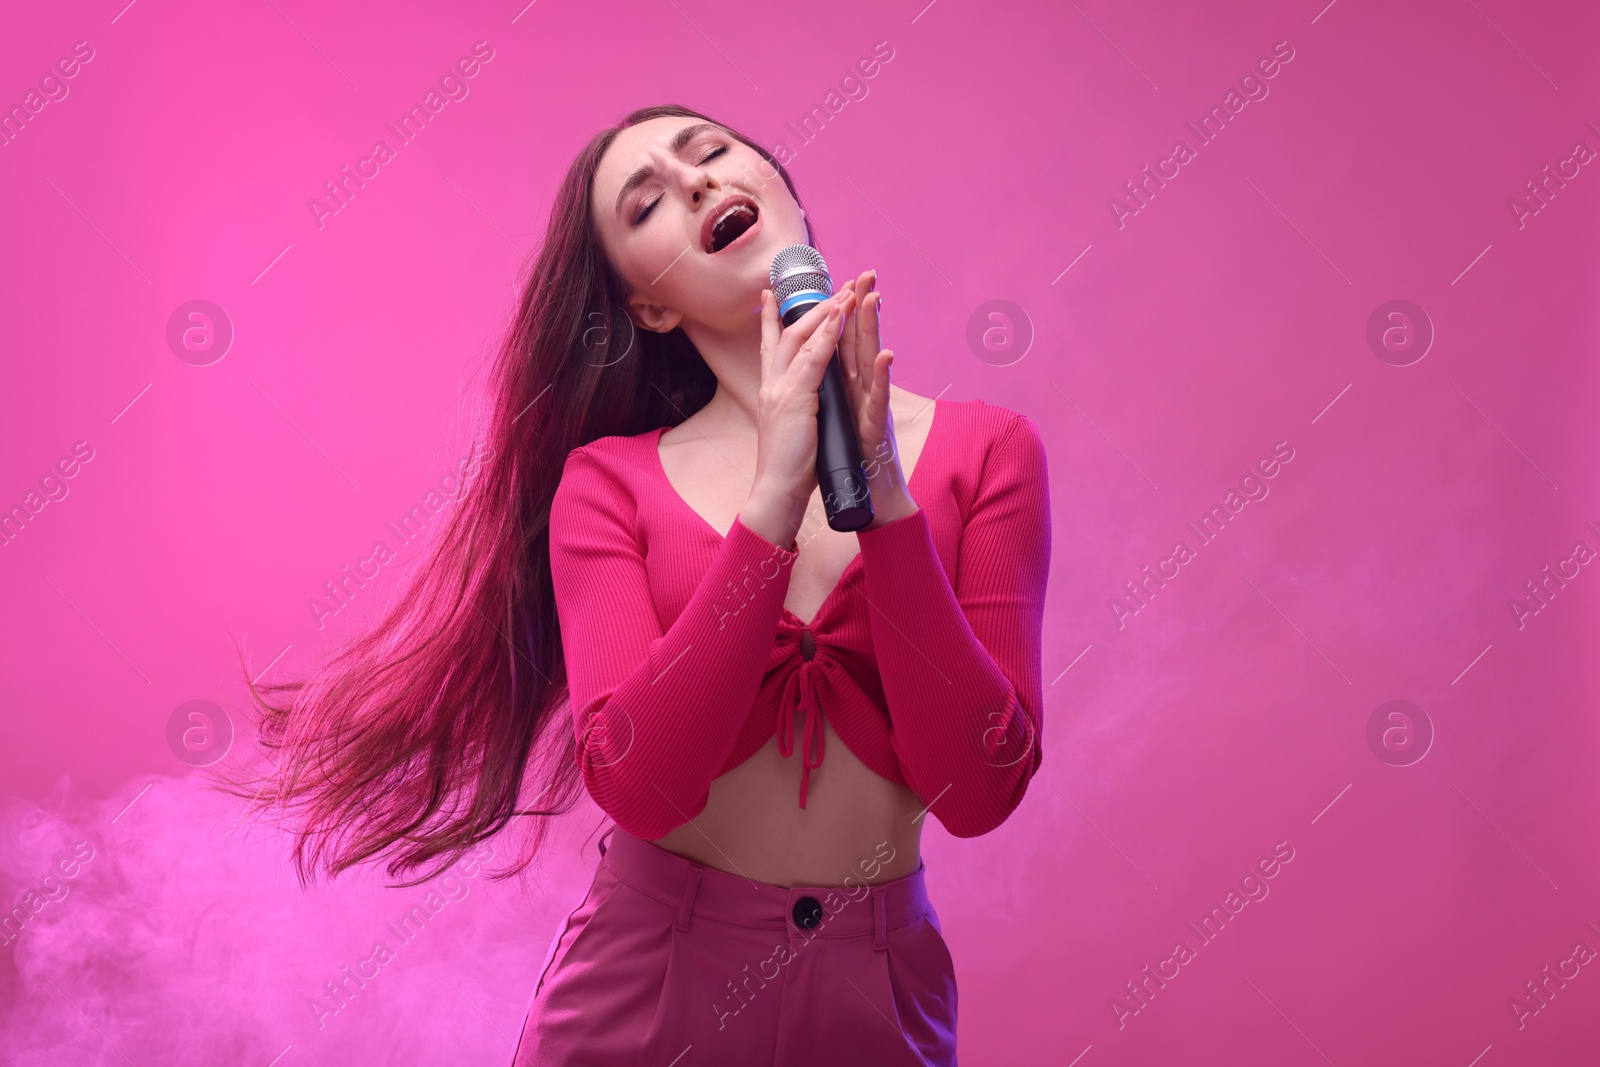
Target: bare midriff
[(853, 820), (751, 825)]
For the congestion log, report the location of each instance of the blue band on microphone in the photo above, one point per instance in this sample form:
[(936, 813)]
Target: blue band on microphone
[(815, 296)]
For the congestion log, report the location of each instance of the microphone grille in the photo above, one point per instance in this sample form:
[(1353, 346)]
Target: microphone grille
[(798, 268)]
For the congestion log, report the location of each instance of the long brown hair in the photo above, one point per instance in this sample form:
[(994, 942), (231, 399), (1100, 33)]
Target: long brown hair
[(422, 736)]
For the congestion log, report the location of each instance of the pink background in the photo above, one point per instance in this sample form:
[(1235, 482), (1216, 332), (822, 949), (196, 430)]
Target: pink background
[(1229, 314)]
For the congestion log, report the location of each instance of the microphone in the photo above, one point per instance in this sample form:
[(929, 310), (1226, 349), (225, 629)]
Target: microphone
[(800, 281)]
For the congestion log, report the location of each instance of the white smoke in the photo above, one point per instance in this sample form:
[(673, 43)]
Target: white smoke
[(155, 928)]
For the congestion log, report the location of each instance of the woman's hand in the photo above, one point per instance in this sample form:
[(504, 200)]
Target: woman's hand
[(866, 378), (792, 364)]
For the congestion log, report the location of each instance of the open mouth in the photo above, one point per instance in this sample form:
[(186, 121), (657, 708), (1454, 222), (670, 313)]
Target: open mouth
[(734, 218)]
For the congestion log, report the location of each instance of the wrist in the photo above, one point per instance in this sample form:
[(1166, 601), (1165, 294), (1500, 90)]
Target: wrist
[(891, 505), (774, 517)]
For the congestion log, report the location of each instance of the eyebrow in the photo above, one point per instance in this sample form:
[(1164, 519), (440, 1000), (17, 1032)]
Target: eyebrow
[(679, 143)]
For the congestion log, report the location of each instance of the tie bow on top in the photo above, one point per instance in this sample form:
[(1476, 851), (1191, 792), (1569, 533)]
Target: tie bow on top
[(800, 694)]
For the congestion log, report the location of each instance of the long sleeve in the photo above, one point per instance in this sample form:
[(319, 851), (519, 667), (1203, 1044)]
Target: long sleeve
[(655, 714), (961, 665)]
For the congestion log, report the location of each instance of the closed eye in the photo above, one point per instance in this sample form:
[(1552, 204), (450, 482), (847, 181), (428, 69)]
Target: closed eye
[(644, 212)]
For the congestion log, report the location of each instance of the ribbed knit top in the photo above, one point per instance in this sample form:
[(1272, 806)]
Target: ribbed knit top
[(925, 657)]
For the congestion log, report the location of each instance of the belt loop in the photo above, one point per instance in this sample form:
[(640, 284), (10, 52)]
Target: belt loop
[(691, 886), (601, 844), (880, 920)]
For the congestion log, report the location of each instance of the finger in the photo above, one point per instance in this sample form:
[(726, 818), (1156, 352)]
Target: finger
[(795, 335), (826, 339), (871, 339), (771, 331), (814, 354), (851, 355), (880, 381), (873, 415), (848, 350), (860, 333), (878, 402)]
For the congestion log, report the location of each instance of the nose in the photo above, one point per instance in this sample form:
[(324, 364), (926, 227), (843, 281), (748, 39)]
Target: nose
[(700, 184)]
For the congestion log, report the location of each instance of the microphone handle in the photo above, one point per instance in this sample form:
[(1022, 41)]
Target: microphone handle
[(840, 472), (839, 469)]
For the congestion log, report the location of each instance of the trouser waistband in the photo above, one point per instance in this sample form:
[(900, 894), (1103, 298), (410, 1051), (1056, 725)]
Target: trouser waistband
[(853, 909)]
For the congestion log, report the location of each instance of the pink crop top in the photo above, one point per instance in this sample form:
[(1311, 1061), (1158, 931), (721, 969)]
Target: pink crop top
[(925, 657)]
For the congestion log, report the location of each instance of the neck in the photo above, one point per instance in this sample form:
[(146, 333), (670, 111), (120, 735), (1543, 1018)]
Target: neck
[(735, 358)]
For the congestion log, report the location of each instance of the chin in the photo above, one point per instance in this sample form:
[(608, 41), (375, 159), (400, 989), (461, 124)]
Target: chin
[(739, 243)]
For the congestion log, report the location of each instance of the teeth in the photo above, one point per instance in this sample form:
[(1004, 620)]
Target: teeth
[(727, 213)]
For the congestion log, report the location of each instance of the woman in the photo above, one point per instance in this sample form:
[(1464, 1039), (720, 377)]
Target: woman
[(641, 593)]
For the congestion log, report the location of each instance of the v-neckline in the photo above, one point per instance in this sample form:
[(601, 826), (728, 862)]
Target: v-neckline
[(838, 586)]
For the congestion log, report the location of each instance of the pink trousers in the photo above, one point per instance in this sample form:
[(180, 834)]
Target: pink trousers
[(669, 963)]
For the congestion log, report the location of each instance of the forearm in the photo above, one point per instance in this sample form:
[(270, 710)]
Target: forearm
[(648, 753), (965, 743)]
